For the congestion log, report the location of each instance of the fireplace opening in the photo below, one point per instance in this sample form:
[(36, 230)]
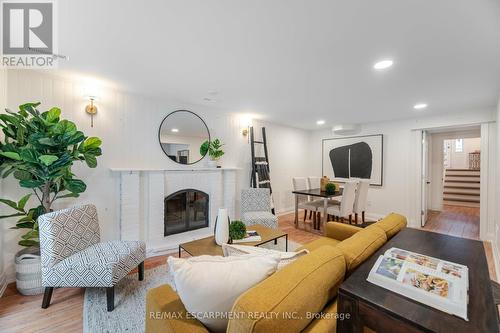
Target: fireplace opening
[(185, 210)]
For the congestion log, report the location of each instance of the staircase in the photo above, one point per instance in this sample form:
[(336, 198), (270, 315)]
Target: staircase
[(461, 187)]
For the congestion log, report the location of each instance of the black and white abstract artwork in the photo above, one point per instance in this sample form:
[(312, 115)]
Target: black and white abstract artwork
[(354, 157)]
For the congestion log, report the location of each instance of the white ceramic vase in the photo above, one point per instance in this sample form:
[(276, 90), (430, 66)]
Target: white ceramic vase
[(222, 227)]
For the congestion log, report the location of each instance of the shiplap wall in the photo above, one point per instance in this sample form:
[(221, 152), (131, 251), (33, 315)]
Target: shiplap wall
[(128, 125), (3, 105)]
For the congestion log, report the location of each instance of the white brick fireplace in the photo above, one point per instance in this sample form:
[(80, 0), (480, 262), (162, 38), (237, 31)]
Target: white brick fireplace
[(141, 208)]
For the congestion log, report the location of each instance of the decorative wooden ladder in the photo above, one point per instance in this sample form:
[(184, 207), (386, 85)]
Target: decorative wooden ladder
[(260, 177)]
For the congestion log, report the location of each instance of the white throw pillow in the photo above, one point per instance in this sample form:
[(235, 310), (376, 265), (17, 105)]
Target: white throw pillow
[(209, 285), (239, 250)]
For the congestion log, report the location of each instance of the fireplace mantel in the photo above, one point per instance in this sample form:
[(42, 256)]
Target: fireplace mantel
[(141, 203), (187, 169)]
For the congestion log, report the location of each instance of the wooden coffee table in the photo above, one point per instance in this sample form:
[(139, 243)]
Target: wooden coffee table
[(386, 311), (207, 246)]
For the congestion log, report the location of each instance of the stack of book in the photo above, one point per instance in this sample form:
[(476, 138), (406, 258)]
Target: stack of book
[(251, 236)]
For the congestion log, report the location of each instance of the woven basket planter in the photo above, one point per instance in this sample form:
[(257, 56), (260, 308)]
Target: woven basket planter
[(29, 272)]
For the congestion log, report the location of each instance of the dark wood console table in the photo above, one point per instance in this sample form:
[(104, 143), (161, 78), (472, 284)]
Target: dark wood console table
[(385, 311)]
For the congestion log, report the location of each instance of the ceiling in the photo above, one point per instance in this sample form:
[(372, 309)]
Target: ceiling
[(289, 61)]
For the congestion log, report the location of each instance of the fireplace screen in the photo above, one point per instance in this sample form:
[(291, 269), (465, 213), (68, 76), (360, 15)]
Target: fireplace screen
[(185, 210)]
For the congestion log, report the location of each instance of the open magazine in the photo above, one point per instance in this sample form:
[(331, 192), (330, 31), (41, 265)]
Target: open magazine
[(434, 282)]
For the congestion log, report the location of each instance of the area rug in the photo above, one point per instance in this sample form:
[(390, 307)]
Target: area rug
[(130, 299)]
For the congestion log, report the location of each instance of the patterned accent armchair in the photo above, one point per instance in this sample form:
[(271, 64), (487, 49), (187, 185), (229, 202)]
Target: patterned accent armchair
[(72, 254), (256, 208)]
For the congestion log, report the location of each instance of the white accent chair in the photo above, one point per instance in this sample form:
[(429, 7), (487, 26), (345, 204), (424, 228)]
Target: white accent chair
[(361, 199), (256, 208), (346, 206), (305, 202), (72, 254)]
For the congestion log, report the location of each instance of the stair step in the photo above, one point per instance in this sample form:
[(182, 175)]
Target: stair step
[(466, 171), (461, 185), (462, 179), (460, 203), (461, 197), (462, 175), (463, 172), (467, 191), (453, 169)]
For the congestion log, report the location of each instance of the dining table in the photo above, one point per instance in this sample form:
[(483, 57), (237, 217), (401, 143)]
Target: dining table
[(317, 193)]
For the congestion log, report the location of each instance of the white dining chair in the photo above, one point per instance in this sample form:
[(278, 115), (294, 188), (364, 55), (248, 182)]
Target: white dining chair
[(361, 199), (300, 183), (315, 182), (346, 205)]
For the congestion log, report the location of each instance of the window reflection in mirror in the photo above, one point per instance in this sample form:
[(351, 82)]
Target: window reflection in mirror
[(181, 134)]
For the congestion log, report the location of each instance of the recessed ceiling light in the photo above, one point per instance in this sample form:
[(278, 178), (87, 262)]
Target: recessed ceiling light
[(320, 122), (420, 106), (175, 130), (383, 64)]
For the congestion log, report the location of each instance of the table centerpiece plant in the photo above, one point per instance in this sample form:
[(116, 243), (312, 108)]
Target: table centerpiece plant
[(330, 188)]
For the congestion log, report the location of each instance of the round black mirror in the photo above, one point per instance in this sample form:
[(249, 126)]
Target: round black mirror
[(181, 135)]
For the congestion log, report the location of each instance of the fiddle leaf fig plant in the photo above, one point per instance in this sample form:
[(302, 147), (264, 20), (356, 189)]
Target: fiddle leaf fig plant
[(39, 150)]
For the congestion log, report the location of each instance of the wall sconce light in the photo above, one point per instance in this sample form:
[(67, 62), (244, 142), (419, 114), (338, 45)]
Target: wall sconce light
[(245, 123), (91, 109)]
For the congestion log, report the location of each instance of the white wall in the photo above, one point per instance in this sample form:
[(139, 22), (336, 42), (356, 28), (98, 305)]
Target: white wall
[(289, 156), (3, 105), (497, 197), (400, 138)]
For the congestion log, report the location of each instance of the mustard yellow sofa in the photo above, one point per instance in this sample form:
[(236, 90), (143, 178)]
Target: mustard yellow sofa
[(299, 298)]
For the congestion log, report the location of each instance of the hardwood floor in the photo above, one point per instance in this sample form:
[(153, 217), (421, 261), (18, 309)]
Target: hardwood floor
[(455, 221), (23, 313)]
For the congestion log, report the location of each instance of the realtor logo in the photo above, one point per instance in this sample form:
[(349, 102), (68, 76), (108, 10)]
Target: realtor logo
[(28, 34)]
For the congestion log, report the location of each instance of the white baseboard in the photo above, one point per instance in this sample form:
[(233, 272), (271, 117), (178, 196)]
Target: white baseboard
[(285, 211), (374, 216), (3, 283)]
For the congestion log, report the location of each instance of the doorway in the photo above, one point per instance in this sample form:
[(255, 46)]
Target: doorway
[(451, 181)]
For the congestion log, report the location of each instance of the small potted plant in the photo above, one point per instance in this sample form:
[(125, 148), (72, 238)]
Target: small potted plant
[(237, 230), (330, 188), (214, 150)]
